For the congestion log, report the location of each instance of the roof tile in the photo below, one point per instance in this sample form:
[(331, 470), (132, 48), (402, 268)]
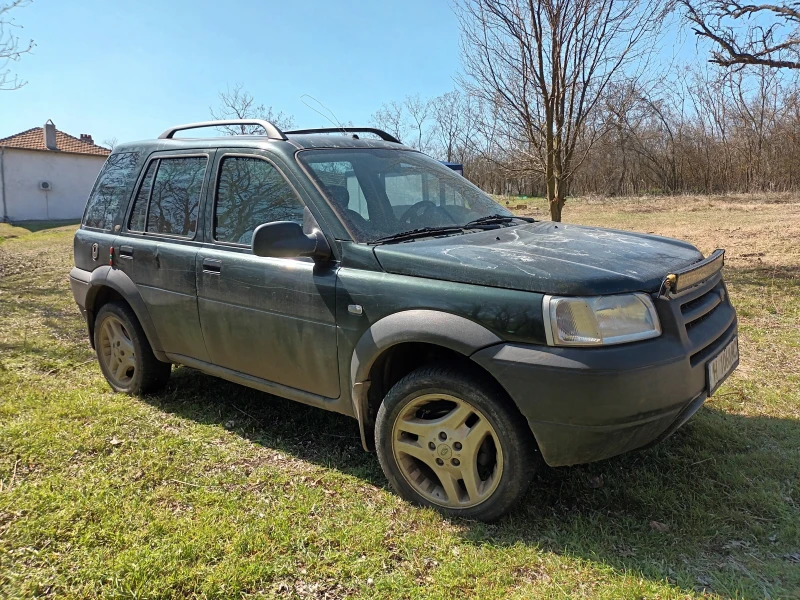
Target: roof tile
[(33, 139)]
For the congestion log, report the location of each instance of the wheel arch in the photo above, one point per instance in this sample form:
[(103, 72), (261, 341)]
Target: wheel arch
[(398, 343), (107, 284)]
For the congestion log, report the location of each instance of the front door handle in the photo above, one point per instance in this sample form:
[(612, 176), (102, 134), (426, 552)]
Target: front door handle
[(212, 266), (126, 252)]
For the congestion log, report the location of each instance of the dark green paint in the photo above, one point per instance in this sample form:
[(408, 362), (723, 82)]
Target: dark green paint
[(286, 325), (552, 258)]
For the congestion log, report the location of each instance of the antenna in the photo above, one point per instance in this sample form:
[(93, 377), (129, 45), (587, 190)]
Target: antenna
[(332, 118)]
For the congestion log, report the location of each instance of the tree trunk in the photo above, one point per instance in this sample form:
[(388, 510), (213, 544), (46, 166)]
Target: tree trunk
[(556, 206)]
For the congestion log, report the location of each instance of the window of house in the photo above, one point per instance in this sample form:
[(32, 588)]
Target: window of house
[(251, 192), (113, 187), (175, 196)]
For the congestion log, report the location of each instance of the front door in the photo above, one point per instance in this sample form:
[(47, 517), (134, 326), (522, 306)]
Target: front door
[(159, 243), (272, 318)]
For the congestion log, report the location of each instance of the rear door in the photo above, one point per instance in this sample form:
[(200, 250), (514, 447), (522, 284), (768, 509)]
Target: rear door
[(272, 318), (101, 219), (159, 242)]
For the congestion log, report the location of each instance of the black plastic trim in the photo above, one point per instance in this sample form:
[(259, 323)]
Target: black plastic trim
[(386, 137)]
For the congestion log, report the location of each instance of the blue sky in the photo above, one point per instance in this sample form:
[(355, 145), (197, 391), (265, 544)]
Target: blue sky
[(129, 69)]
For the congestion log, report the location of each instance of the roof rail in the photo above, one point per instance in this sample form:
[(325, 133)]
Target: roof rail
[(379, 132), (271, 130)]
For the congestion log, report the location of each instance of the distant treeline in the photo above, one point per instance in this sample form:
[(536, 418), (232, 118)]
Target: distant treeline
[(700, 130)]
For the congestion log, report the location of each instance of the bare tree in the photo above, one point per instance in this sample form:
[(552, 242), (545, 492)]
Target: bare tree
[(111, 143), (419, 111), (237, 103), (546, 66), (391, 117), (11, 48), (450, 113), (748, 34), (697, 129)]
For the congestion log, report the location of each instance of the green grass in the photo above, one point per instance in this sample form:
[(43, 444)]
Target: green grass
[(211, 490)]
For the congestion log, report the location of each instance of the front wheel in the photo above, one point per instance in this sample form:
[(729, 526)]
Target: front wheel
[(124, 353), (453, 441)]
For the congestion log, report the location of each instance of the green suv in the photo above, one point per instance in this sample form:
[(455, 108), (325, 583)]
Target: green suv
[(344, 270)]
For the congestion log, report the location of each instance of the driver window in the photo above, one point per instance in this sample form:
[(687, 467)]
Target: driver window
[(251, 192)]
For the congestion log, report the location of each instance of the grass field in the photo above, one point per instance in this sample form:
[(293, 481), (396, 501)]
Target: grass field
[(212, 490)]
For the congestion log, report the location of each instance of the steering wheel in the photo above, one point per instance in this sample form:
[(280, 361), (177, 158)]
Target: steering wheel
[(415, 212)]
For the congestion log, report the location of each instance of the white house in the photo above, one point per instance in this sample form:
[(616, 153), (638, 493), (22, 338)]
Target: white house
[(47, 174)]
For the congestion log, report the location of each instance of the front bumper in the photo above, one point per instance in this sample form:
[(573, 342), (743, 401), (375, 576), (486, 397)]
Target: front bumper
[(587, 404)]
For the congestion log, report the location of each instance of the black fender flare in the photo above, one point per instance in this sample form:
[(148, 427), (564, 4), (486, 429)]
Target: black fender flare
[(428, 326), (109, 277)]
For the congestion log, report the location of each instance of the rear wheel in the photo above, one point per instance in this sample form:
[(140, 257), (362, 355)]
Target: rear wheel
[(125, 356), (452, 441)]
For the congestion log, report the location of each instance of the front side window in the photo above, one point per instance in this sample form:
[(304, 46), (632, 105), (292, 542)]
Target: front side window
[(113, 187), (381, 192), (251, 192), (175, 196)]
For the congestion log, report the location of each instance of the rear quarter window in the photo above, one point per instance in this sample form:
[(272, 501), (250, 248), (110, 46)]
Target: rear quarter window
[(112, 189)]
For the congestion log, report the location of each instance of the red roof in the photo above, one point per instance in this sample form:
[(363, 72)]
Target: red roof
[(33, 139)]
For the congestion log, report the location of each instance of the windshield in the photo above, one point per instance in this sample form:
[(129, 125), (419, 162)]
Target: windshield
[(379, 193)]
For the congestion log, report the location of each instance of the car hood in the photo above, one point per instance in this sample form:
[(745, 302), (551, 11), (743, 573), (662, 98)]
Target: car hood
[(546, 257)]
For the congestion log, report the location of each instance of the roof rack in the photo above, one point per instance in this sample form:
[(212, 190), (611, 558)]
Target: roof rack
[(379, 132), (271, 130)]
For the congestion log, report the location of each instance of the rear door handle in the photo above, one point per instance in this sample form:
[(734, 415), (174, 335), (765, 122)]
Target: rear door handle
[(212, 266), (126, 252)]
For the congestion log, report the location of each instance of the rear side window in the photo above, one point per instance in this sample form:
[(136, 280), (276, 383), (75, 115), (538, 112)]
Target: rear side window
[(251, 192), (139, 210), (112, 188), (174, 187)]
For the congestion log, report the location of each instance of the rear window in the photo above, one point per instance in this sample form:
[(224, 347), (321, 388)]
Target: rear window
[(113, 187), (175, 199), (168, 200)]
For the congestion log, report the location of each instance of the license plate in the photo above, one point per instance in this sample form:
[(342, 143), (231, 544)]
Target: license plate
[(722, 364)]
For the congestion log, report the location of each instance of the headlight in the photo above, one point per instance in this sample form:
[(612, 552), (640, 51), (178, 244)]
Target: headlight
[(599, 320)]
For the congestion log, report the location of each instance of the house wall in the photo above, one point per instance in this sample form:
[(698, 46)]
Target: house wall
[(70, 175)]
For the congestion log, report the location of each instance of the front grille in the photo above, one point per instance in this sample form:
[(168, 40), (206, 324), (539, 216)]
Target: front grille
[(695, 311), (707, 316)]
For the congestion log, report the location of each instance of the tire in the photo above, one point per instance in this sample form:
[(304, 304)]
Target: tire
[(428, 438), (124, 353)]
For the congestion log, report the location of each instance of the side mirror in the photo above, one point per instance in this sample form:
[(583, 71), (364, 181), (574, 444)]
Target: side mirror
[(285, 239)]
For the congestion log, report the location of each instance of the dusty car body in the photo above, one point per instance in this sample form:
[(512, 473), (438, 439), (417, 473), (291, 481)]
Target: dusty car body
[(350, 302)]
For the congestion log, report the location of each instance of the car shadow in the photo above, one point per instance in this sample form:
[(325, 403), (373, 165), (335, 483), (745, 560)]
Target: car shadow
[(36, 226), (693, 510), (303, 431)]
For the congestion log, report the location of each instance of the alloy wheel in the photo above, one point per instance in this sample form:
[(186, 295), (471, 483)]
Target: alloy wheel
[(116, 351), (447, 450)]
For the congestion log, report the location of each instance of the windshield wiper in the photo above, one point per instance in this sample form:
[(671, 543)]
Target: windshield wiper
[(448, 229), (496, 219), (418, 233)]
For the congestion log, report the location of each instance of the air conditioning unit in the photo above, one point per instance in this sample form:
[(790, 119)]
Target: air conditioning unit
[(45, 185)]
